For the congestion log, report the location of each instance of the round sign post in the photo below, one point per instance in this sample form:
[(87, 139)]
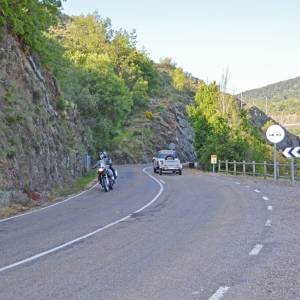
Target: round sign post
[(275, 134)]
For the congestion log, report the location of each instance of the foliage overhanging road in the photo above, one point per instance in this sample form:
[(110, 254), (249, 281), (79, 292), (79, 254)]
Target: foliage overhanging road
[(193, 240)]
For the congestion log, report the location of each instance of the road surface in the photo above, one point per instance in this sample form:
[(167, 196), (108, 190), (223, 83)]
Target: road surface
[(195, 236)]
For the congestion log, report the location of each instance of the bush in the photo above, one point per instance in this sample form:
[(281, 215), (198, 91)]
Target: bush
[(149, 115), (61, 104), (14, 119)]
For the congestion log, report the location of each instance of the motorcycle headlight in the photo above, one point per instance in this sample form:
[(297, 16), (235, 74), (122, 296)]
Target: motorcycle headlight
[(100, 170)]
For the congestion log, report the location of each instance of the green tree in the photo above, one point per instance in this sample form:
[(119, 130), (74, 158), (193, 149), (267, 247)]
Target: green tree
[(225, 133), (178, 79), (88, 78), (29, 19)]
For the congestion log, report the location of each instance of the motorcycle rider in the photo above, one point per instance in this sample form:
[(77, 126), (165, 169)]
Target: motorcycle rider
[(108, 161)]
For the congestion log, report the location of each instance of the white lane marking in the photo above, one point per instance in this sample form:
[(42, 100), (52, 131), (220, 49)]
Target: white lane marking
[(256, 249), (219, 293), (270, 207), (62, 246), (268, 223), (162, 181), (237, 183), (247, 186), (265, 198), (46, 207), (257, 191)]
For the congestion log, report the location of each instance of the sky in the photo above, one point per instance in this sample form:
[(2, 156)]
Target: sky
[(256, 41)]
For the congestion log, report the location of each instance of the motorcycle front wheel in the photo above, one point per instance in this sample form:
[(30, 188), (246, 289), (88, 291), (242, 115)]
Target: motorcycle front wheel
[(105, 184)]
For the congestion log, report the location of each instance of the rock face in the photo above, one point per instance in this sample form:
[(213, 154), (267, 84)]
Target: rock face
[(258, 119), (15, 197), (168, 124), (172, 126), (40, 146)]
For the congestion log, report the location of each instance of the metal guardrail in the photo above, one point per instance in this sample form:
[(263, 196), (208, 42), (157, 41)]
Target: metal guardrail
[(87, 162), (266, 170)]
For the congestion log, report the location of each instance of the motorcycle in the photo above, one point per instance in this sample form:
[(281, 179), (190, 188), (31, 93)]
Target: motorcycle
[(105, 176)]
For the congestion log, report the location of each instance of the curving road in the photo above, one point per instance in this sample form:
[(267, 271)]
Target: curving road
[(196, 236)]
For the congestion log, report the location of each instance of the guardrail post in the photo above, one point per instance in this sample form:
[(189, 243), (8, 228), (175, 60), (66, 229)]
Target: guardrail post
[(219, 166), (244, 167), (226, 166), (265, 169), (234, 167), (253, 168), (292, 171)]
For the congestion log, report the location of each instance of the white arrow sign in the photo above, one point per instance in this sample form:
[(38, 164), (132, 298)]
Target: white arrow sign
[(295, 152), (291, 152), (287, 153)]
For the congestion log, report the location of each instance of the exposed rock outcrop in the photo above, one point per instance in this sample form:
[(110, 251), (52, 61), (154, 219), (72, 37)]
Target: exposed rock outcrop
[(259, 119), (172, 126), (146, 135), (40, 146)]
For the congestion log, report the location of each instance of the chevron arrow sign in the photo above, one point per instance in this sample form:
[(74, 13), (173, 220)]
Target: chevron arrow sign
[(291, 152)]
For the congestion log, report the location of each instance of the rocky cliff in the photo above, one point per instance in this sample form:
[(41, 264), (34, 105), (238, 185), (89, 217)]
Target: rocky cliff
[(171, 126), (162, 123), (41, 147), (260, 120)]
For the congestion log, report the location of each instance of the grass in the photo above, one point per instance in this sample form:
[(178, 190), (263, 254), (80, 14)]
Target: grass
[(77, 186), (6, 212), (14, 209), (84, 181)]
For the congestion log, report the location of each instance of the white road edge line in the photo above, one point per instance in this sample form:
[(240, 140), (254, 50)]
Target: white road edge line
[(268, 223), (46, 207), (265, 198), (219, 293), (256, 249), (163, 182), (238, 183), (62, 246), (257, 191), (270, 207)]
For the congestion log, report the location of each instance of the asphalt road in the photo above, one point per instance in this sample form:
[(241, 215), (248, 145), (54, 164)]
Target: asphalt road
[(196, 236)]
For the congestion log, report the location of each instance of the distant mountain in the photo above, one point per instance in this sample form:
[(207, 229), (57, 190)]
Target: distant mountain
[(282, 105), (283, 90)]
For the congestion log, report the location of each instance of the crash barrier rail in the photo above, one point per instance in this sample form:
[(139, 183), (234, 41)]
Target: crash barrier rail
[(87, 162), (265, 169)]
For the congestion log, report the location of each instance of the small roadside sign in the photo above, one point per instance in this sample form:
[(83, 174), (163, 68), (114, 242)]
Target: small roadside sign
[(275, 134), (213, 159)]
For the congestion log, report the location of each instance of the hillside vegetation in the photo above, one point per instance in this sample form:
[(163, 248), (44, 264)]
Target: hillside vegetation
[(280, 100), (222, 128), (126, 102), (283, 90)]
